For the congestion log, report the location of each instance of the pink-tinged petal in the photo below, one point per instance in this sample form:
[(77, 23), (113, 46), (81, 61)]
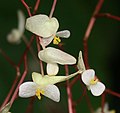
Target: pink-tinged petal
[(42, 25), (52, 69), (97, 89), (63, 34), (27, 89), (53, 55), (87, 76), (46, 41), (52, 92)]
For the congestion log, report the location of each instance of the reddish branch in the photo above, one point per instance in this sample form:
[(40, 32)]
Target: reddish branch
[(27, 7), (12, 88), (109, 91), (21, 80), (53, 8), (36, 6), (107, 15), (88, 31), (7, 58), (69, 93)]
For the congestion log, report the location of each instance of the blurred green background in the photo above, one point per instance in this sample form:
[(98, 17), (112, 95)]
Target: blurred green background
[(104, 55)]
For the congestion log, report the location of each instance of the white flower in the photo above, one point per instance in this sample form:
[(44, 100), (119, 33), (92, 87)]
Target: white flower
[(53, 57), (105, 109), (43, 85), (16, 34), (89, 79), (46, 28)]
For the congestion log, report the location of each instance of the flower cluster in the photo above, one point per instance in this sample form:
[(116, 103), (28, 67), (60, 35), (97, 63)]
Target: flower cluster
[(46, 28)]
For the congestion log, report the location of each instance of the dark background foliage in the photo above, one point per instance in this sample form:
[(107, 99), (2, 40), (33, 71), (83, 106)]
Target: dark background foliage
[(73, 15)]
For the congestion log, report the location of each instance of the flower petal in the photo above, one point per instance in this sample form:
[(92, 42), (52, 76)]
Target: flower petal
[(27, 89), (97, 89), (46, 80), (37, 77), (52, 69), (42, 25), (63, 34), (53, 55), (87, 75), (81, 65), (14, 36), (46, 41), (21, 22), (52, 92)]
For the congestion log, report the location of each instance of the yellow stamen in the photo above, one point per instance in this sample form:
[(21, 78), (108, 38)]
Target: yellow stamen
[(38, 92), (93, 81), (112, 111), (56, 40)]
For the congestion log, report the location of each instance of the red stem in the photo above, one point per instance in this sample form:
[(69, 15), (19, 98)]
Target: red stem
[(36, 6), (38, 48), (103, 102), (21, 80), (53, 8), (108, 15), (112, 93), (7, 58), (26, 6), (30, 106), (26, 50), (70, 102), (12, 88), (88, 31)]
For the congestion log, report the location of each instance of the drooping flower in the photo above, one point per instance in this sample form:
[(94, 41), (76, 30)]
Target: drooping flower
[(53, 57), (105, 109), (46, 28), (16, 33), (93, 84), (43, 85)]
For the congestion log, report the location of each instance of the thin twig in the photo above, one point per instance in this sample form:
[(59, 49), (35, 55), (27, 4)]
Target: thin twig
[(107, 15), (26, 6), (70, 102), (53, 8), (7, 58), (36, 6), (21, 80), (38, 48), (109, 91), (12, 88), (88, 31)]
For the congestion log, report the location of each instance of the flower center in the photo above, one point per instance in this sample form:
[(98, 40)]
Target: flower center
[(93, 81), (56, 40), (112, 111), (38, 92)]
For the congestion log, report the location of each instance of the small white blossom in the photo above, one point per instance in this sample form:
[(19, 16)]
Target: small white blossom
[(105, 109), (16, 34), (53, 57), (43, 85), (93, 84), (46, 28)]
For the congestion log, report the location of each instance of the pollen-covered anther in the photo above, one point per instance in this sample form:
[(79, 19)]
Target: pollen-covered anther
[(56, 40), (38, 92), (93, 81)]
